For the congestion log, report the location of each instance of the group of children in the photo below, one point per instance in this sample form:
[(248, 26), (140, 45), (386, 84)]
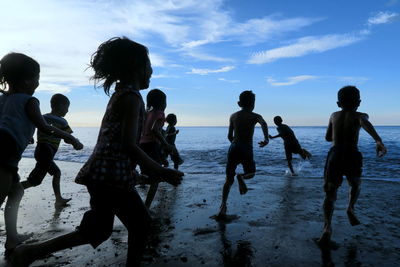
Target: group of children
[(132, 135)]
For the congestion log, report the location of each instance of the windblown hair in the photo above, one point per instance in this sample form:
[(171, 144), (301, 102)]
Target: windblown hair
[(349, 97), (58, 99), (17, 67), (155, 99), (247, 99), (171, 118), (118, 59)]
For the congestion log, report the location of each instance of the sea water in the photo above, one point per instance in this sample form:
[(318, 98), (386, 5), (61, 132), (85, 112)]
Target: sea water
[(204, 150)]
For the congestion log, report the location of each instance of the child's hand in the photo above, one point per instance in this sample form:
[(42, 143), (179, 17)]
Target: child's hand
[(263, 143), (75, 143), (171, 176), (270, 136), (177, 131), (380, 149)]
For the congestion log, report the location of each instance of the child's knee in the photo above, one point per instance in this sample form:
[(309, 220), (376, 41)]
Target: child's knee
[(229, 179), (16, 192), (330, 192)]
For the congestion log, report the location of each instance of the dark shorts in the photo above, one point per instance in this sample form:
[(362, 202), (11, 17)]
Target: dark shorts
[(240, 154), (107, 202), (10, 154), (292, 148), (342, 162), (44, 155), (153, 150)]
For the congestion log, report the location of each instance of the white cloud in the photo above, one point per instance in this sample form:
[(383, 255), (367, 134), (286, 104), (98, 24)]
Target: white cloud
[(290, 80), (229, 81), (208, 71), (305, 46), (382, 18), (353, 79)]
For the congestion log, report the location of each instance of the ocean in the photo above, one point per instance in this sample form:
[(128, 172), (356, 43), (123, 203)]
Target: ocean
[(204, 150)]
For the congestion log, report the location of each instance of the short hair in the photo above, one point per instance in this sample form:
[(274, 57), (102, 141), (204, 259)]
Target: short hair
[(171, 118), (58, 99), (16, 67), (118, 59), (155, 98), (278, 119), (349, 97), (247, 99)]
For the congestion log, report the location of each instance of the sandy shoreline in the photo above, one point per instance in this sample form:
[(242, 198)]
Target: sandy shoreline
[(277, 221)]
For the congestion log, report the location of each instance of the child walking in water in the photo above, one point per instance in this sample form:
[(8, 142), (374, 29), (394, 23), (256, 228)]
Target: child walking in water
[(152, 139), (47, 146), (108, 173), (290, 142), (241, 130), (19, 115), (343, 157), (171, 133)]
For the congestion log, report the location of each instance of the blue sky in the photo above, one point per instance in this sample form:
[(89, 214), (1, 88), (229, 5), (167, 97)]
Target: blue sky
[(294, 55)]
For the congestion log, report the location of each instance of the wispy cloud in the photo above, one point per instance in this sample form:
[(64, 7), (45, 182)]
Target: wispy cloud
[(290, 80), (353, 79), (305, 46), (382, 18), (229, 81), (208, 71)]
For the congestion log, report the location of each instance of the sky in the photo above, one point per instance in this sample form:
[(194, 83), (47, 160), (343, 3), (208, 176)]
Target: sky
[(294, 55)]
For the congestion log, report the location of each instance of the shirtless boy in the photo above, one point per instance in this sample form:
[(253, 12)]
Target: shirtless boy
[(344, 157), (241, 130)]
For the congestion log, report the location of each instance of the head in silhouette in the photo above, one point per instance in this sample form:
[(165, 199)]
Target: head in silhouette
[(349, 98), (20, 73), (171, 119), (59, 104), (278, 120), (156, 100), (247, 100), (121, 60)]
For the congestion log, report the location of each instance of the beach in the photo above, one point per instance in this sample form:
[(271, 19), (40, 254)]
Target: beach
[(274, 224)]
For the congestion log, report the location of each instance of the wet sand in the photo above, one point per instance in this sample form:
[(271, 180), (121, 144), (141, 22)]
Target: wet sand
[(274, 224)]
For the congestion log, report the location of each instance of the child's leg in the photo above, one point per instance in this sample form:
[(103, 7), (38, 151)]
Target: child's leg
[(134, 215), (353, 196), (55, 171), (225, 193), (151, 194), (11, 214), (328, 207), (289, 158)]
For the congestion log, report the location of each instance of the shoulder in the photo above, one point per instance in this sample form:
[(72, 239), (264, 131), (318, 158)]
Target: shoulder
[(362, 115)]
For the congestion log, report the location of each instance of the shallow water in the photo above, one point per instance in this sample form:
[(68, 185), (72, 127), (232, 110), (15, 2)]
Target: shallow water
[(204, 150)]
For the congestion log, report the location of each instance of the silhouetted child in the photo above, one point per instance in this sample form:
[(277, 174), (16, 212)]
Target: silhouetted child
[(290, 142), (241, 130), (343, 157), (152, 140), (171, 133), (47, 146), (108, 172), (19, 115)]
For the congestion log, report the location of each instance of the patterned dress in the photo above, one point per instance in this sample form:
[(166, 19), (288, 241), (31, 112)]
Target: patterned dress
[(110, 163)]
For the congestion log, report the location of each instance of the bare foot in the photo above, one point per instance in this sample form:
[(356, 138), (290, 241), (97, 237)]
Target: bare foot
[(242, 185), (222, 212), (62, 202), (21, 256), (11, 243), (325, 238), (352, 217), (294, 174)]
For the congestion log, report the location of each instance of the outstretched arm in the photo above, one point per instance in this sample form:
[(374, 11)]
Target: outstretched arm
[(264, 128), (329, 132), (34, 114), (272, 137), (369, 128), (130, 120)]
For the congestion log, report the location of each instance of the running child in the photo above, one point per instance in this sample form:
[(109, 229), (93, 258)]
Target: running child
[(19, 115), (171, 133), (290, 142), (47, 146), (152, 140), (343, 157), (240, 134), (108, 173)]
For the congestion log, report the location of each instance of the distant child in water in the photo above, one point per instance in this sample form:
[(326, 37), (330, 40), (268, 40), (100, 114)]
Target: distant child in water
[(47, 146), (290, 142), (343, 157), (152, 140), (240, 134), (108, 173), (171, 133), (19, 115)]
